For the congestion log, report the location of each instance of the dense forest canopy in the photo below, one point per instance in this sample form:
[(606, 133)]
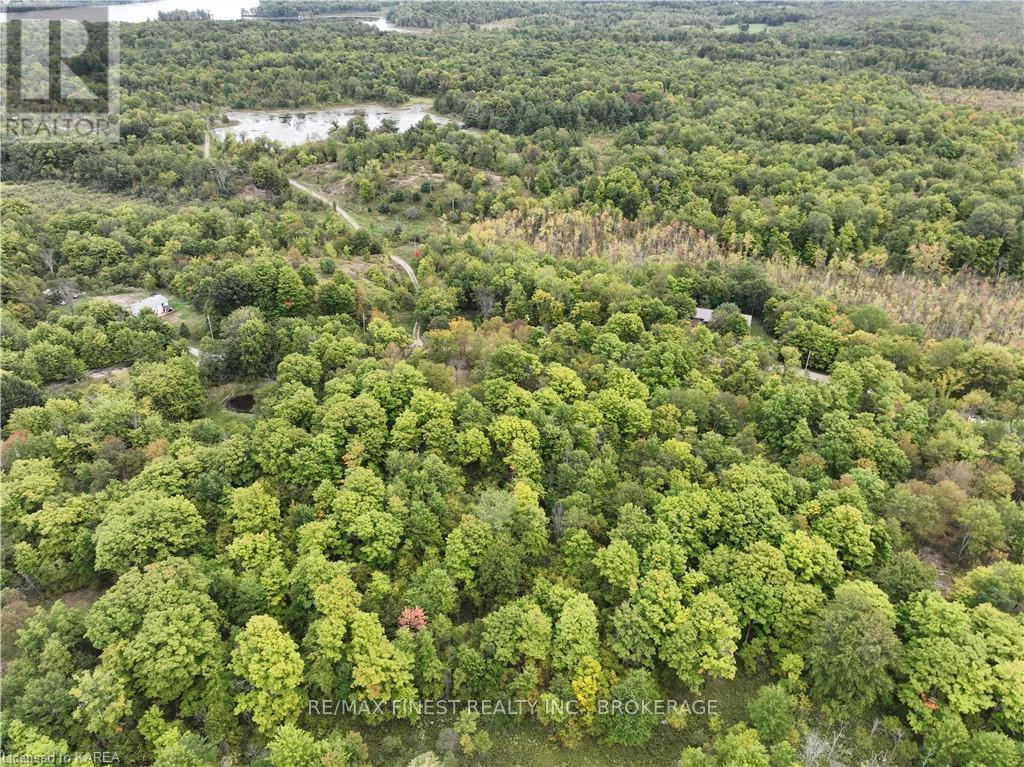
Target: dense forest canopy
[(791, 142), (684, 365)]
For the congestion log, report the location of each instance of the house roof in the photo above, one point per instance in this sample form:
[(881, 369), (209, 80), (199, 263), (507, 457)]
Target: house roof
[(814, 376), (704, 315), (155, 303)]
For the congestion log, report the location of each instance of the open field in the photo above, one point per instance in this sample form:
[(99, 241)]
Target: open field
[(59, 195)]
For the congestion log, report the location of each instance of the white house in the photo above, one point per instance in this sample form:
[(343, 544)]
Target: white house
[(157, 304)]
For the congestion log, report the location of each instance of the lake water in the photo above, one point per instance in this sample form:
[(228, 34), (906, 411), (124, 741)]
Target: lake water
[(385, 26), (134, 12), (220, 10), (297, 127)]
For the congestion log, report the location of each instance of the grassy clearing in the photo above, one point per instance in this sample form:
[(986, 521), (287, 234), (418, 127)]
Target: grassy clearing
[(408, 206), (526, 743), (979, 98), (522, 744), (125, 296), (530, 746), (184, 313), (751, 29), (394, 220), (59, 195)]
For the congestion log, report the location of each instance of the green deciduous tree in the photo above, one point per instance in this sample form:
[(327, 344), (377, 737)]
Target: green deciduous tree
[(293, 747), (771, 713), (631, 716), (368, 516), (517, 632), (619, 563), (702, 640), (159, 631), (267, 660), (146, 527), (172, 387), (575, 633), (853, 649), (253, 509), (945, 667)]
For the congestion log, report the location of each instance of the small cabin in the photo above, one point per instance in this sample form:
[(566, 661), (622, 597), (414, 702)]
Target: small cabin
[(157, 304), (811, 375), (703, 315)]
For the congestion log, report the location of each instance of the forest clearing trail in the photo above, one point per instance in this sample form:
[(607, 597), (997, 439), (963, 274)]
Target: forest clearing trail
[(327, 201), (417, 340), (408, 270)]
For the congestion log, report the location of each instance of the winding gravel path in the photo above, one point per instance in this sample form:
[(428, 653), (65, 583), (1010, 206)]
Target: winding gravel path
[(417, 340), (326, 201), (408, 270)]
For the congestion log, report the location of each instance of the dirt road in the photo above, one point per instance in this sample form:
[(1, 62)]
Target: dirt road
[(326, 201)]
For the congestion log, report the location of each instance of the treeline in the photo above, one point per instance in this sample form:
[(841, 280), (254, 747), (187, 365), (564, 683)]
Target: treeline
[(97, 335), (940, 306), (844, 210), (943, 44), (179, 15), (940, 45), (139, 244), (274, 9), (860, 169), (434, 13)]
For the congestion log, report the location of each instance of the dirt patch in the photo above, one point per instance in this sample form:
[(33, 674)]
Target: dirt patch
[(328, 178), (250, 193), (414, 181), (124, 300), (99, 374), (493, 179), (499, 24), (354, 268), (15, 611), (81, 599), (96, 374), (944, 576), (19, 605), (340, 188)]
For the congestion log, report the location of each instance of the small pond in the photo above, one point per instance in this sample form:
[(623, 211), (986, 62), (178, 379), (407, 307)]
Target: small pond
[(386, 26), (243, 403), (299, 126)]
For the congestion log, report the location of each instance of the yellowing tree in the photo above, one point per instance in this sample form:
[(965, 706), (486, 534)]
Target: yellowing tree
[(267, 659)]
